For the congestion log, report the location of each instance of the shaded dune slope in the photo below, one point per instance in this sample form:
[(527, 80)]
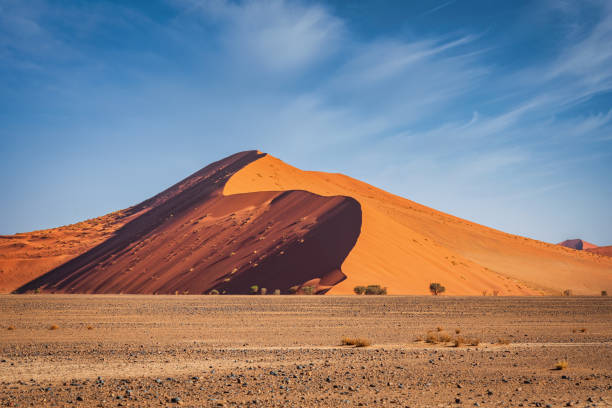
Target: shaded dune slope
[(191, 238), (405, 246)]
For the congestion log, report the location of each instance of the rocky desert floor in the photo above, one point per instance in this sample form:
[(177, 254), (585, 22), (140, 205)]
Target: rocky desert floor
[(285, 351)]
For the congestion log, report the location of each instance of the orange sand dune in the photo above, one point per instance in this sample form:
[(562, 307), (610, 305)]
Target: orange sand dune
[(604, 250), (252, 219), (26, 256), (405, 246), (193, 239)]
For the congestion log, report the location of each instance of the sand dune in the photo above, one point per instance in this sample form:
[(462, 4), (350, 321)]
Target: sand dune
[(192, 239), (604, 250), (577, 244), (26, 256), (405, 246), (251, 219)]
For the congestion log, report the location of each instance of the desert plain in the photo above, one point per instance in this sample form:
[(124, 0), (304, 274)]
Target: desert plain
[(286, 351)]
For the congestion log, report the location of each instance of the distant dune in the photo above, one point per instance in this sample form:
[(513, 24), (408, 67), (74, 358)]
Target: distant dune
[(604, 250), (251, 219), (577, 244)]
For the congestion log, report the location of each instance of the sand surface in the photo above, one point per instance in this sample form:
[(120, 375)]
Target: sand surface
[(285, 351), (405, 246)]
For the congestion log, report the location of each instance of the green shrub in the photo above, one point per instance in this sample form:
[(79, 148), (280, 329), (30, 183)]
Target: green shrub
[(435, 288), (375, 290), (308, 290), (263, 291), (604, 293), (213, 292), (294, 289), (254, 289), (359, 290)]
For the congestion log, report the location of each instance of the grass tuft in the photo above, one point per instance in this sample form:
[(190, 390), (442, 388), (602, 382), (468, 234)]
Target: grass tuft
[(431, 338), (459, 341), (504, 341), (561, 365), (474, 342), (357, 342)]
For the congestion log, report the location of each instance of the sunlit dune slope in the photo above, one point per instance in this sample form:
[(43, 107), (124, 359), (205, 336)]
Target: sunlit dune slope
[(26, 256), (193, 239), (405, 246), (604, 250)]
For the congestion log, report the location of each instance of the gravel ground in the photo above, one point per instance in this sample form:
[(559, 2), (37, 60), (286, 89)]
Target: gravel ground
[(286, 351)]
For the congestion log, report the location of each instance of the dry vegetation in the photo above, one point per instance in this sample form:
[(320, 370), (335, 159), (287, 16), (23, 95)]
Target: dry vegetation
[(561, 365), (440, 337), (357, 342)]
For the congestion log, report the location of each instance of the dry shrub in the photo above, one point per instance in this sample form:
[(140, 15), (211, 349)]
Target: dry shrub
[(53, 327), (362, 343), (419, 338), (89, 327), (444, 338), (581, 330), (502, 340), (457, 331), (474, 342), (431, 338), (11, 328), (561, 365), (357, 342), (459, 341), (439, 329)]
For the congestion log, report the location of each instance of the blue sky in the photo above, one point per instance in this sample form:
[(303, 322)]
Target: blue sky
[(497, 112)]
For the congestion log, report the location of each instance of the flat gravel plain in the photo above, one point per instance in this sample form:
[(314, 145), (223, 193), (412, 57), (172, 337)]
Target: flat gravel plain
[(285, 351)]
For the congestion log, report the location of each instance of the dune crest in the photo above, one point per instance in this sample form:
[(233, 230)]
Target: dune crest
[(405, 246)]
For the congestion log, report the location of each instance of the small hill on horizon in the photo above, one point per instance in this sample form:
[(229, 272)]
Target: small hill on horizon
[(577, 244), (252, 220)]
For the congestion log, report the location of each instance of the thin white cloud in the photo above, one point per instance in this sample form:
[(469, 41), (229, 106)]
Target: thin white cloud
[(439, 7), (278, 35)]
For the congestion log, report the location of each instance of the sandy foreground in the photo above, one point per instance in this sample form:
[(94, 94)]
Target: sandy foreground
[(120, 350)]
